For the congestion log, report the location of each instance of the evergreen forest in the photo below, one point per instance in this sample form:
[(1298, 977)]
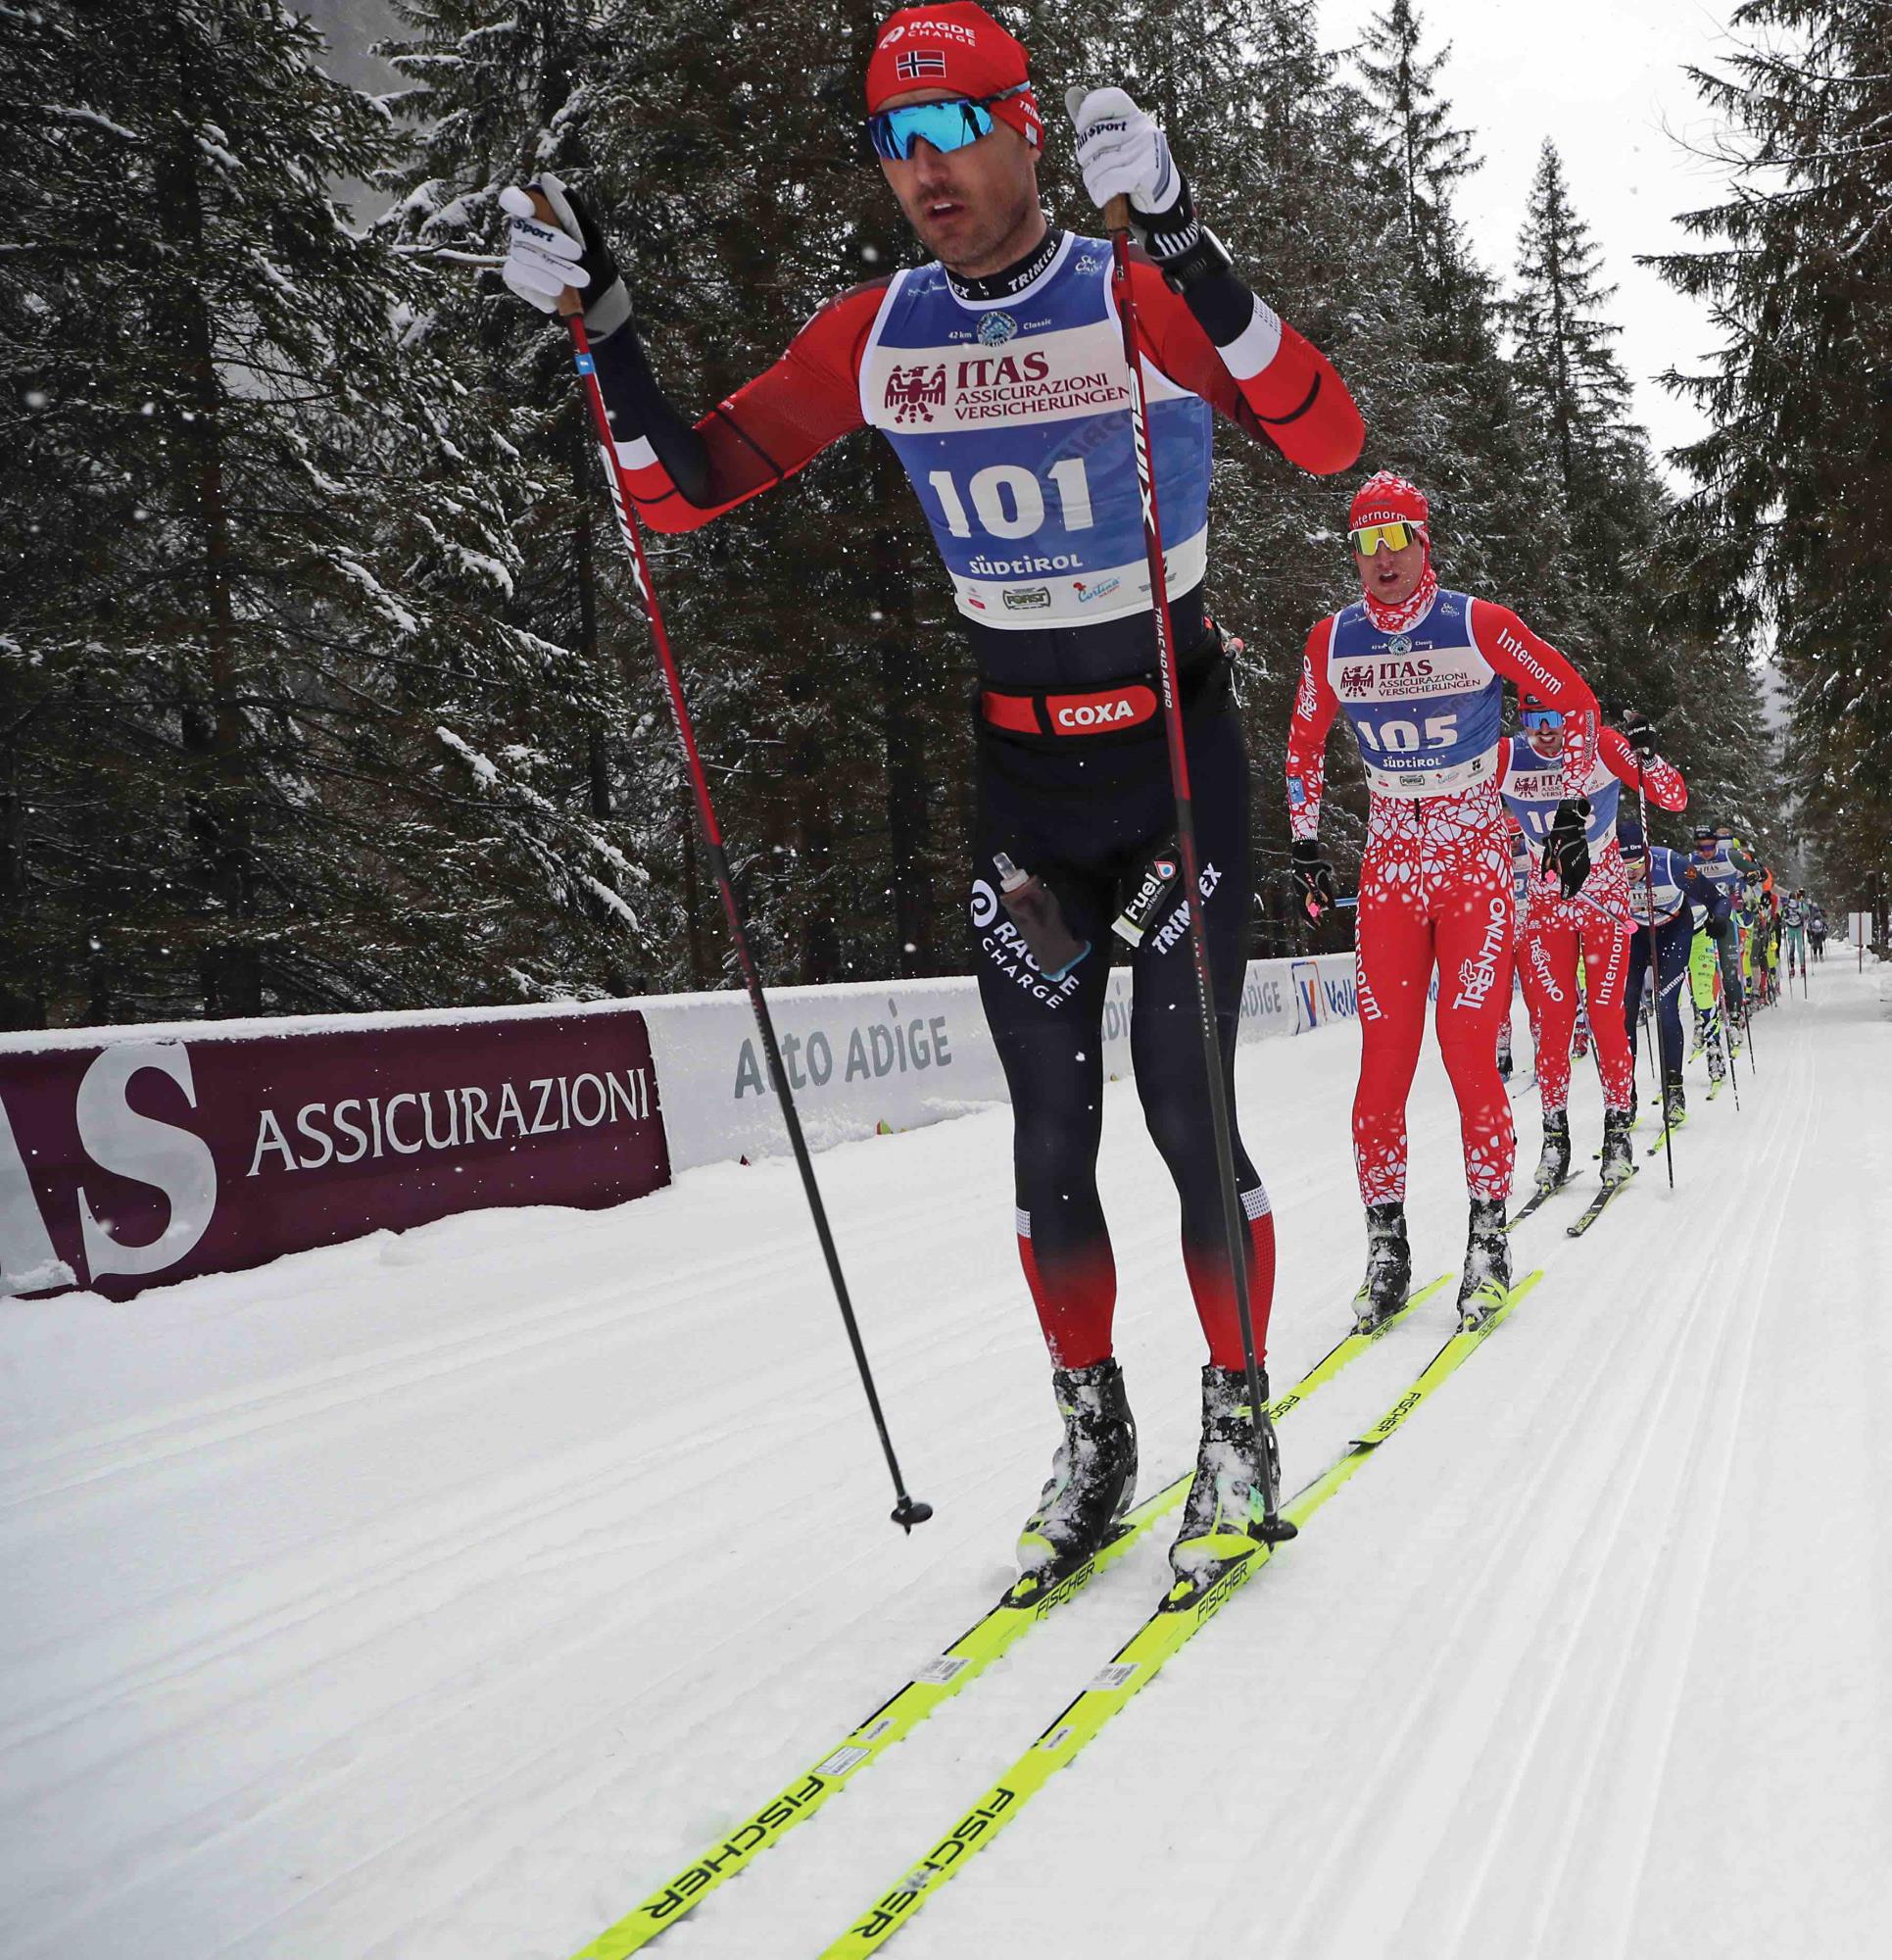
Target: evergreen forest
[(324, 681)]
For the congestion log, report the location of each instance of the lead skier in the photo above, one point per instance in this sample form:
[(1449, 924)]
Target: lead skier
[(1419, 672), (996, 372)]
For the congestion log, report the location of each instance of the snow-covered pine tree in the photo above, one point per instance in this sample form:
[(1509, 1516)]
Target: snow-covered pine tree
[(1451, 416), (1786, 528), (1596, 501), (1428, 154), (497, 93), (259, 557)]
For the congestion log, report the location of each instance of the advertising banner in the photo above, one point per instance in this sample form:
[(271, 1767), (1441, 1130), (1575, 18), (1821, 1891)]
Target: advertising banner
[(859, 1058), (154, 1156)]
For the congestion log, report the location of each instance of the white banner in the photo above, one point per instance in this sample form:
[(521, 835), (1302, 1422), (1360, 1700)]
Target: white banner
[(866, 1058)]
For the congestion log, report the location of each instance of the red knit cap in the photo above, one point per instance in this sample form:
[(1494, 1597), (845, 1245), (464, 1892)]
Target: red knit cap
[(958, 46), (1386, 499)]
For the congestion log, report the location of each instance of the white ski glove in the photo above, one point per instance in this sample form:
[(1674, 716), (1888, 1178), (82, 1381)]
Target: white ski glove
[(542, 260), (1122, 152)]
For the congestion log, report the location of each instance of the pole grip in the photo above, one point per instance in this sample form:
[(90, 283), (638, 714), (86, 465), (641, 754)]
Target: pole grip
[(1116, 213)]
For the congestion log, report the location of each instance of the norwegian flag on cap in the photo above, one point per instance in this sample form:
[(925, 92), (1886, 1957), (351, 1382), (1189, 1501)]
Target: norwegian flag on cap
[(959, 46)]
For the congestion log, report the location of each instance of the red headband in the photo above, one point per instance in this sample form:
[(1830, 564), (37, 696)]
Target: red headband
[(956, 46)]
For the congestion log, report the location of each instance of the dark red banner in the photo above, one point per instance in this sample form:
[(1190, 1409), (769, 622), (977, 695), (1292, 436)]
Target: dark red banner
[(144, 1160)]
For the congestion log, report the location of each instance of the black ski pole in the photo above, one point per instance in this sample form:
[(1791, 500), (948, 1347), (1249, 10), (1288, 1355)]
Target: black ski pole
[(1235, 1227), (1724, 1031), (1655, 977), (1747, 1020), (908, 1511)]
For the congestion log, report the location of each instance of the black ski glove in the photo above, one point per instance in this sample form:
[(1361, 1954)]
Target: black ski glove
[(1567, 847), (1718, 928), (1315, 877), (1641, 737)]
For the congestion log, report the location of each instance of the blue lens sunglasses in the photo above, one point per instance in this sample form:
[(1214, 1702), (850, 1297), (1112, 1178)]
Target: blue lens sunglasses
[(1534, 718), (947, 125)]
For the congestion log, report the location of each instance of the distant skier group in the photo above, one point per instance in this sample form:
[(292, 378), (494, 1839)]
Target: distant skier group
[(993, 370)]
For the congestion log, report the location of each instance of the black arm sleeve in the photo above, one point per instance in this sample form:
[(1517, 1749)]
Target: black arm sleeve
[(637, 405), (1222, 305)]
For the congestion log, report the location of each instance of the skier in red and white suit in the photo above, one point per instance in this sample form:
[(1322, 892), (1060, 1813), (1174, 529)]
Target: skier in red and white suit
[(1419, 673), (1598, 920)]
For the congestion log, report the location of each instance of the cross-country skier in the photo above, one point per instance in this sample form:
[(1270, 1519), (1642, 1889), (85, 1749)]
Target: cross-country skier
[(1594, 924), (996, 371), (1704, 985), (1419, 672), (1817, 931), (1761, 906), (1675, 927), (1793, 931), (1718, 858)]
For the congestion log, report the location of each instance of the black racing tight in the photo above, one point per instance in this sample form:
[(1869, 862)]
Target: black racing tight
[(1084, 818)]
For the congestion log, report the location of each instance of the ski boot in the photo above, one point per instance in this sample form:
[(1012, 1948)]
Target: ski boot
[(1675, 1104), (1094, 1475), (1222, 1518), (1619, 1160), (1717, 1062), (1487, 1284), (1553, 1167), (1389, 1267)]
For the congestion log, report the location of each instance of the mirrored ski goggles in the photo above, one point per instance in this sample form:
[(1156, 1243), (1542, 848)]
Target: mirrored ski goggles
[(1535, 719), (946, 126), (1369, 538)]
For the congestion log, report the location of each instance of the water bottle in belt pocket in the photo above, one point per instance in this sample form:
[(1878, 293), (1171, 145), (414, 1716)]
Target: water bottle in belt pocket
[(1034, 909)]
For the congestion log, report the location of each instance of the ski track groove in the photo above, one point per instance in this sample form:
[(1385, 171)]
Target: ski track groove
[(1635, 1526)]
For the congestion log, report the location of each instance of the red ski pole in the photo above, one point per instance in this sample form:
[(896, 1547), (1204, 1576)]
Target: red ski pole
[(1235, 1227), (908, 1511)]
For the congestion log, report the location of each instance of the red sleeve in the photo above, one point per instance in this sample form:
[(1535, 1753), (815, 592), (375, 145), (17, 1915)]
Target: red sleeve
[(1663, 781), (1315, 707), (1540, 671), (770, 428), (1270, 382)]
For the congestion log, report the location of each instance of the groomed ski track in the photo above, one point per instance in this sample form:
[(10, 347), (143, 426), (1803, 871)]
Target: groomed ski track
[(443, 1595)]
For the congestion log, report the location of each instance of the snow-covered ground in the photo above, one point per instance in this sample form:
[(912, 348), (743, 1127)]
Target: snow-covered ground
[(442, 1594)]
